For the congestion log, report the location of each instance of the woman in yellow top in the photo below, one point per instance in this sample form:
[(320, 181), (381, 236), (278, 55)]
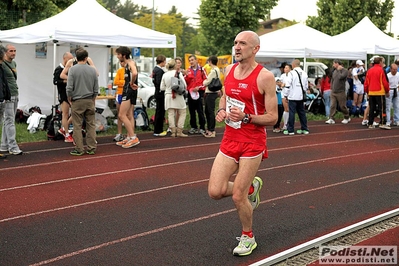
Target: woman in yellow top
[(119, 81)]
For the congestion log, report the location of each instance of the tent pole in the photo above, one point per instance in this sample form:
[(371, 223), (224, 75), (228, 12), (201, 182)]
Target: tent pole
[(54, 66)]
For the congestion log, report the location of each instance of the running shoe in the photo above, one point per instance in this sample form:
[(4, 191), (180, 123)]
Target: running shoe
[(15, 151), (118, 137), (122, 142), (245, 247), (388, 127), (68, 139), (254, 198), (285, 132), (61, 131), (131, 143), (330, 121), (346, 121), (162, 134), (76, 153), (91, 152), (304, 132), (365, 122), (192, 131)]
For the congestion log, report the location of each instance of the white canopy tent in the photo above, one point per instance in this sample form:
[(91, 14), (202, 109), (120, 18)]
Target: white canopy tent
[(370, 38), (85, 23), (301, 41)]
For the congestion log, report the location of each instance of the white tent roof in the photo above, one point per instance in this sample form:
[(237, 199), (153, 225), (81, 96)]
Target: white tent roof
[(370, 38), (301, 41), (87, 22)]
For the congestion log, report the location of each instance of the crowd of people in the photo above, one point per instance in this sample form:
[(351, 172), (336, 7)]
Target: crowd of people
[(354, 91), (200, 100)]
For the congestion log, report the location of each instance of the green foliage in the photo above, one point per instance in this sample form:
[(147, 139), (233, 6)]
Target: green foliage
[(18, 13), (222, 20), (337, 16), (170, 23)]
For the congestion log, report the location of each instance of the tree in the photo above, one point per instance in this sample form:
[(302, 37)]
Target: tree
[(17, 13), (222, 20), (171, 23), (337, 16)]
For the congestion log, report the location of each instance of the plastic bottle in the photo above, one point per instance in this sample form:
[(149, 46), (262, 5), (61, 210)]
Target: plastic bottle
[(109, 93)]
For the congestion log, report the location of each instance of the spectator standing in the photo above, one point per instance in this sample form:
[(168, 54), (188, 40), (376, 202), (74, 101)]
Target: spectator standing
[(243, 145), (159, 95), (284, 77), (297, 84), (119, 81), (377, 87), (393, 100), (62, 97), (338, 92), (3, 88), (210, 97), (82, 90), (280, 107), (175, 104), (325, 88), (195, 76), (358, 88), (8, 133), (129, 97)]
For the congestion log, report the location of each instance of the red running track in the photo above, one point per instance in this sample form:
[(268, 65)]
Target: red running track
[(148, 205)]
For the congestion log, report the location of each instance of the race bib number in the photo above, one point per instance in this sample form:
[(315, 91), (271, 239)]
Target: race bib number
[(231, 102)]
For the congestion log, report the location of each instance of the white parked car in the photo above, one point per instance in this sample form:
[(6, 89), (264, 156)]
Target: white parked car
[(146, 91)]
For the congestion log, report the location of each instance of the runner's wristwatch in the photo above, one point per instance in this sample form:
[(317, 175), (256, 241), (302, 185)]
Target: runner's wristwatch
[(247, 119)]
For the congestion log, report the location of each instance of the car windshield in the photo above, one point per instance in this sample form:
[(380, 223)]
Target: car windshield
[(146, 80)]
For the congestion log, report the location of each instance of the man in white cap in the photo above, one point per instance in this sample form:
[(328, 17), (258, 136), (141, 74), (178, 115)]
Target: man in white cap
[(358, 74)]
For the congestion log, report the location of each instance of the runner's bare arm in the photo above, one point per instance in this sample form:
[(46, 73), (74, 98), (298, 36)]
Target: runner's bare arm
[(133, 74), (64, 73)]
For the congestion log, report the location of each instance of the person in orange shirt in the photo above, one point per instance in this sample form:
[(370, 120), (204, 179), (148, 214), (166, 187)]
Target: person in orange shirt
[(119, 81), (376, 86)]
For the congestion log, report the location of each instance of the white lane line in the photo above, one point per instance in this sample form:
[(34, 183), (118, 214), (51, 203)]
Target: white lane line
[(205, 180), (160, 229), (103, 174), (193, 161), (103, 156), (100, 201), (185, 147)]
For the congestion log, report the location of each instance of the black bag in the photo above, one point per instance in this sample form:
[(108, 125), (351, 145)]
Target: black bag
[(215, 84), (53, 124), (177, 85), (21, 116)]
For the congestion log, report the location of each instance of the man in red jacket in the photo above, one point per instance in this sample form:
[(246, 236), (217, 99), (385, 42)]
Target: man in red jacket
[(194, 77), (377, 87)]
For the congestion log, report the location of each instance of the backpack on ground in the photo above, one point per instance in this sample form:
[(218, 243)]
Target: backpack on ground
[(141, 117), (53, 124)]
